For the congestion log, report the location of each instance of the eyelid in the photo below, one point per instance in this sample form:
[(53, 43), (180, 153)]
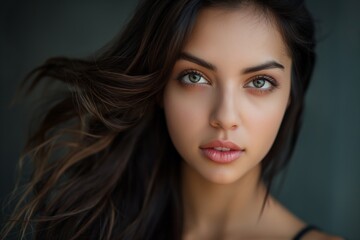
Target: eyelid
[(189, 71), (272, 81), (268, 78)]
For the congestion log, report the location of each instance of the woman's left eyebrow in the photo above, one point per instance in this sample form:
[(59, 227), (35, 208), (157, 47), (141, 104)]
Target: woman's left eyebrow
[(263, 66)]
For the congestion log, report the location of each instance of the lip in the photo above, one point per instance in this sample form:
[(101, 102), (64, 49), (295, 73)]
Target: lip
[(219, 143), (219, 156)]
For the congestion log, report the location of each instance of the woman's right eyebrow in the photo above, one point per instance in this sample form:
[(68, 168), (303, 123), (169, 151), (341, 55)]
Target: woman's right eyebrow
[(197, 60)]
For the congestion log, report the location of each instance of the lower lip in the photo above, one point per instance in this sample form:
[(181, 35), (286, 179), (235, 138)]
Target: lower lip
[(221, 156)]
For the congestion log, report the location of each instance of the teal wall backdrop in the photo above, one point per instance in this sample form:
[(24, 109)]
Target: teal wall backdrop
[(322, 183)]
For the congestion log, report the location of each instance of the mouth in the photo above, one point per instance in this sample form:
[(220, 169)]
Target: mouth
[(221, 151)]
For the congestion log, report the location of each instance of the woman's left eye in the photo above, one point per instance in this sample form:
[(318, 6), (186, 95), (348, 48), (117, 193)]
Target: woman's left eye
[(262, 83), (192, 78)]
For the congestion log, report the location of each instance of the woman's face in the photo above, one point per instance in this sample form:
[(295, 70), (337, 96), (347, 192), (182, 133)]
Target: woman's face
[(228, 93)]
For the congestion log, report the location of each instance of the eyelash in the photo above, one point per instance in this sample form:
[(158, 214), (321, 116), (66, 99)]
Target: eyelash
[(188, 72), (274, 84)]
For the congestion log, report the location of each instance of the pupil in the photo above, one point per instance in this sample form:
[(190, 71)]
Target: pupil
[(259, 83), (194, 78)]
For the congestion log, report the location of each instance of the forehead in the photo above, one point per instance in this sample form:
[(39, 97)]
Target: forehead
[(243, 34)]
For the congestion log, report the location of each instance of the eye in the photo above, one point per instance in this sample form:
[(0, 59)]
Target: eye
[(192, 77), (262, 83)]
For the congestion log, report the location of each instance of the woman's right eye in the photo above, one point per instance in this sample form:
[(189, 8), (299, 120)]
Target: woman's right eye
[(193, 77)]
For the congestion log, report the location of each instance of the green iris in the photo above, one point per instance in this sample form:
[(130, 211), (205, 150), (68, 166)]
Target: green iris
[(194, 78), (258, 83)]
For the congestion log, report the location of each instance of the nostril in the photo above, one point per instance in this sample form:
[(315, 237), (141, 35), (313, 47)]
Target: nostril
[(223, 125), (215, 124)]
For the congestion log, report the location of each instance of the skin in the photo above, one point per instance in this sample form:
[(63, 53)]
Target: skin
[(223, 201)]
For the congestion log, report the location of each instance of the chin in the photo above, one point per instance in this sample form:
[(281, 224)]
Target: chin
[(222, 177)]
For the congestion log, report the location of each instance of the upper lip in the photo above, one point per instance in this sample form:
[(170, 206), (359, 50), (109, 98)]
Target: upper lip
[(220, 143)]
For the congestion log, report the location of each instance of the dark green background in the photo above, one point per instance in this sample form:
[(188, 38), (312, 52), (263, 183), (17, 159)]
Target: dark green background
[(323, 180)]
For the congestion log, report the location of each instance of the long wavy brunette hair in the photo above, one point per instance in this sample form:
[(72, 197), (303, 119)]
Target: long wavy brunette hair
[(104, 166)]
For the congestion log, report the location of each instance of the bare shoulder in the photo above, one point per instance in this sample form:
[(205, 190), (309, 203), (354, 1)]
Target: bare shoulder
[(317, 235), (284, 223), (280, 223)]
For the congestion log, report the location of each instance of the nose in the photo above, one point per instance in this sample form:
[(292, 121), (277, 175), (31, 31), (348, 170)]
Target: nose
[(225, 114)]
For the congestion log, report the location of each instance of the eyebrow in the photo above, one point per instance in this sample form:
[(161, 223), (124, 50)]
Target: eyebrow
[(205, 64), (266, 65), (197, 60)]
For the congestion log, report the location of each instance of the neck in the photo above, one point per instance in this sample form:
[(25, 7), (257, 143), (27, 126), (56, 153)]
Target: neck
[(210, 207)]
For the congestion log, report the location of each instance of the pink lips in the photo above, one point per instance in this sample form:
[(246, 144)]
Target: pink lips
[(221, 151)]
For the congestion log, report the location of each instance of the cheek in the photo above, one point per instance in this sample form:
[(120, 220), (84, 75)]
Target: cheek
[(185, 114), (262, 126)]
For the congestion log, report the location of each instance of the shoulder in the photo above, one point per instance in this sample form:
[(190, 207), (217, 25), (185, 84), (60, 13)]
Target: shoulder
[(280, 223), (285, 225), (317, 235)]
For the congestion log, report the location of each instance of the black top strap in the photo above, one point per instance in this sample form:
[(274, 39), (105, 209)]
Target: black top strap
[(303, 231)]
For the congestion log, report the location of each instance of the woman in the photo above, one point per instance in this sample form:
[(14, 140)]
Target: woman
[(177, 129)]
